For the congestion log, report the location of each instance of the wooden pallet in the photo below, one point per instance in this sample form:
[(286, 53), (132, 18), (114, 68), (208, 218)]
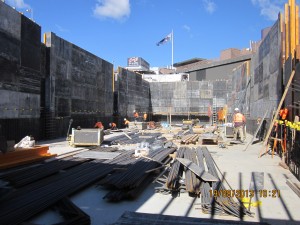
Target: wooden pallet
[(209, 141)]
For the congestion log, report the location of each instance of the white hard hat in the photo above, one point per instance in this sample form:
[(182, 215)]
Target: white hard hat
[(236, 109), (124, 118)]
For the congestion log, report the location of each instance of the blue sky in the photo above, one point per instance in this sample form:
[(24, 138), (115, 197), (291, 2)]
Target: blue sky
[(118, 29)]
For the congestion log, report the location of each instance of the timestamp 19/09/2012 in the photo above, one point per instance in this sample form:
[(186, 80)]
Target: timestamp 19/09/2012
[(264, 193)]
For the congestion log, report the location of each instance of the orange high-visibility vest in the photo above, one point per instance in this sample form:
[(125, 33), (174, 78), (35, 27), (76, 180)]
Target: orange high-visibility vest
[(283, 113), (221, 114), (99, 125), (238, 118), (145, 116)]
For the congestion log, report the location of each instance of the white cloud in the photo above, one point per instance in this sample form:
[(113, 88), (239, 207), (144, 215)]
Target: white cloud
[(115, 9), (186, 27), (268, 8), (20, 4), (209, 5)]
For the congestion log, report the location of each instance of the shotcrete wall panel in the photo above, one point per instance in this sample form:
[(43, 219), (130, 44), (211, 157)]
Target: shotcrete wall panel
[(214, 73), (20, 66), (133, 94), (11, 49), (266, 80), (182, 97), (8, 78), (240, 87), (79, 84), (19, 105), (10, 21), (30, 44)]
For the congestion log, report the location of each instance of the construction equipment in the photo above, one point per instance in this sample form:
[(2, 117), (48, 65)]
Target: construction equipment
[(86, 137), (138, 125)]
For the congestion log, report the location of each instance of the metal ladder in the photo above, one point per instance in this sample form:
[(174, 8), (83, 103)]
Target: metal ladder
[(214, 109)]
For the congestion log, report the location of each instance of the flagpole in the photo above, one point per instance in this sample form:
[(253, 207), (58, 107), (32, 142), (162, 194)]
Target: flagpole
[(172, 49)]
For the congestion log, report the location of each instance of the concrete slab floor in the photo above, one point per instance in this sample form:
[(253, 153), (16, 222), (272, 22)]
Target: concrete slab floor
[(235, 164)]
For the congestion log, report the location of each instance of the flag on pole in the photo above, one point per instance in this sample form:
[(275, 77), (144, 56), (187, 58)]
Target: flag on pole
[(164, 40)]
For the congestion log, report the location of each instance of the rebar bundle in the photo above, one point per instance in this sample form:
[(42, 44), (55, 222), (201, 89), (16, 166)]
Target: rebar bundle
[(175, 172), (36, 197), (71, 213), (190, 139), (135, 173), (22, 177), (132, 138), (220, 204), (192, 182)]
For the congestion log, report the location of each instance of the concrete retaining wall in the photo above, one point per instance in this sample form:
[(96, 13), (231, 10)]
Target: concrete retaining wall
[(79, 84), (133, 93), (266, 77), (21, 77), (181, 98)]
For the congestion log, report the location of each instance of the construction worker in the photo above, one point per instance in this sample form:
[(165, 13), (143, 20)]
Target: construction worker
[(126, 122), (135, 115), (113, 126), (221, 116), (239, 122), (145, 117), (283, 113), (99, 125)]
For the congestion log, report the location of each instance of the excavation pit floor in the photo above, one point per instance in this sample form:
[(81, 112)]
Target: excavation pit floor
[(278, 203)]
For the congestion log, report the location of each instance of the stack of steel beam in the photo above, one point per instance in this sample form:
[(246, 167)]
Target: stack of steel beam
[(220, 204), (135, 174), (71, 213), (192, 182), (190, 139), (132, 138), (28, 175), (117, 139), (33, 198), (175, 172)]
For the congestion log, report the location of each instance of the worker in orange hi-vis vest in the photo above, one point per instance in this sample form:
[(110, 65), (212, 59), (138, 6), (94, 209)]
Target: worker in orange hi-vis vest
[(126, 123), (239, 122), (283, 113), (221, 116), (99, 125), (113, 126), (145, 116)]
